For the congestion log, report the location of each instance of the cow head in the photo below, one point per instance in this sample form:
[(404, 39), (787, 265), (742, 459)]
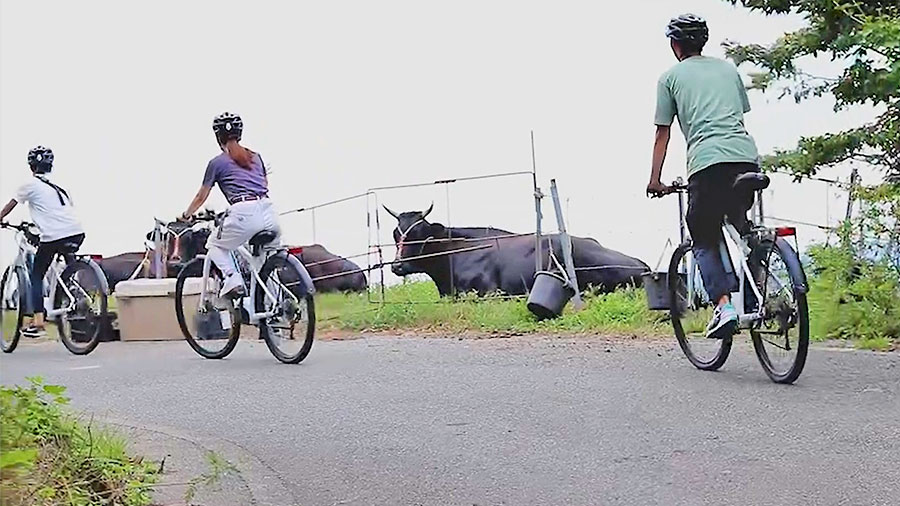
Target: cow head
[(411, 237), (181, 243)]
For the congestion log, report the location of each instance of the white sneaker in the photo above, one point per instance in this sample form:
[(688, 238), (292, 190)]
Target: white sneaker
[(724, 322), (34, 332), (233, 287)]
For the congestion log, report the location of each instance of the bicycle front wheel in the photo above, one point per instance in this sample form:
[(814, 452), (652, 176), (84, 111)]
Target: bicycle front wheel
[(691, 310), (781, 339), (12, 308), (84, 300), (211, 324), (290, 328)]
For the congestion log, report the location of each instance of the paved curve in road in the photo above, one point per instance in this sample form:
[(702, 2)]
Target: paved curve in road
[(399, 421)]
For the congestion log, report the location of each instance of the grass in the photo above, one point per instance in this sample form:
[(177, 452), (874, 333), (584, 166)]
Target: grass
[(417, 306), (51, 458)]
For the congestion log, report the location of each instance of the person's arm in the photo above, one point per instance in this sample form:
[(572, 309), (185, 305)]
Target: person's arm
[(209, 179), (665, 115), (199, 199), (8, 209), (660, 147)]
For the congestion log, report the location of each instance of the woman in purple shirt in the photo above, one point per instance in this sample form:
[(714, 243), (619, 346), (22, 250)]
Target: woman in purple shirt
[(241, 175)]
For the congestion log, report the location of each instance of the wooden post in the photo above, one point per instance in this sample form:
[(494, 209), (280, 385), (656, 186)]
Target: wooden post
[(566, 242)]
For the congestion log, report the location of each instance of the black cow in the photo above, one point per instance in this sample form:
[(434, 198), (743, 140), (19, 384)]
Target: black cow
[(120, 267), (324, 268), (319, 262), (503, 264)]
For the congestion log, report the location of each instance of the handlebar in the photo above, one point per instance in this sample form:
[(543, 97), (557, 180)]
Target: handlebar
[(207, 215), (27, 230), (21, 227), (678, 186)]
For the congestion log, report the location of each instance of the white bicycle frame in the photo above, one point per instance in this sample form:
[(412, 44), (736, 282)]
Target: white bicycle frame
[(54, 274), (256, 264), (742, 270)]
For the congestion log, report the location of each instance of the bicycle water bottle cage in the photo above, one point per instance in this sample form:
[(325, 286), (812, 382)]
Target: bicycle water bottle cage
[(261, 239)]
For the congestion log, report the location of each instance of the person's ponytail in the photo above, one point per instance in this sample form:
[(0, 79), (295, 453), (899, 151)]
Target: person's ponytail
[(241, 155)]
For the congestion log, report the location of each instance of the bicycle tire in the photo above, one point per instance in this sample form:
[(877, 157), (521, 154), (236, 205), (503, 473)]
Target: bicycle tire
[(92, 324), (193, 269), (798, 287), (281, 261), (717, 360), (8, 275)]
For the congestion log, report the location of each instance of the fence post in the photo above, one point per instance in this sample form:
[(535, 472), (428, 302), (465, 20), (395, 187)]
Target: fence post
[(566, 243), (538, 264), (158, 266)]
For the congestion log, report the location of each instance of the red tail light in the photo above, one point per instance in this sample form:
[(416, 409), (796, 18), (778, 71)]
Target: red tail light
[(786, 231), (295, 251), (95, 257)]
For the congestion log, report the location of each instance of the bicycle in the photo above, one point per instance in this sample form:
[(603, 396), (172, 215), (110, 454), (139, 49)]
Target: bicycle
[(76, 299), (280, 301), (778, 320)]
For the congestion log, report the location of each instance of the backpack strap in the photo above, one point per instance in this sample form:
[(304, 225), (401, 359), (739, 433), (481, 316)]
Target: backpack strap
[(59, 191), (262, 163)]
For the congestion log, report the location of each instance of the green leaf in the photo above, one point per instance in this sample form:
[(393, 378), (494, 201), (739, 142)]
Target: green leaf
[(55, 389), (18, 458)]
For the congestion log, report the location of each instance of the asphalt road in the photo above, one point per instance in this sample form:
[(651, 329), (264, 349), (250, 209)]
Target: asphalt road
[(402, 421)]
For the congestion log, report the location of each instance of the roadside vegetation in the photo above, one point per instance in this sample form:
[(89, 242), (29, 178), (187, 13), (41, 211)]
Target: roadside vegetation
[(49, 457), (862, 307), (417, 307)]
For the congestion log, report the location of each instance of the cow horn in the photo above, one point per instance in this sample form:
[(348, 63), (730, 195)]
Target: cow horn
[(392, 213), (428, 211)]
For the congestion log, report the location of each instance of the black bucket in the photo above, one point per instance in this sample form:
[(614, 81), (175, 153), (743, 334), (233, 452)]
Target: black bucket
[(656, 285), (549, 295)]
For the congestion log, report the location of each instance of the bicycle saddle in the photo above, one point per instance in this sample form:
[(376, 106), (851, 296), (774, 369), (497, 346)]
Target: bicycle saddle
[(751, 182), (69, 248), (263, 238)]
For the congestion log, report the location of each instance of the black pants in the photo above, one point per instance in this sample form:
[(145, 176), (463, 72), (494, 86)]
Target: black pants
[(45, 253), (711, 198)]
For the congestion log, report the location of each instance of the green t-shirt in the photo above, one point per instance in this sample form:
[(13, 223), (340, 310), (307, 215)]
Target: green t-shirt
[(708, 96)]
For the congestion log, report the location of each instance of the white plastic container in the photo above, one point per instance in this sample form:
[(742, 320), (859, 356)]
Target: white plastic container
[(146, 308)]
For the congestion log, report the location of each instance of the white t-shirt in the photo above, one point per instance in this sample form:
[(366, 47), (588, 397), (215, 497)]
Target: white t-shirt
[(55, 220)]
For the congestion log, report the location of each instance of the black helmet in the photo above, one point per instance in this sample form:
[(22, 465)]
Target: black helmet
[(227, 126), (688, 28), (40, 159)]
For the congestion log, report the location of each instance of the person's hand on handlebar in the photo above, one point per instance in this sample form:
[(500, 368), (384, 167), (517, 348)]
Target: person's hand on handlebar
[(183, 218), (657, 189)]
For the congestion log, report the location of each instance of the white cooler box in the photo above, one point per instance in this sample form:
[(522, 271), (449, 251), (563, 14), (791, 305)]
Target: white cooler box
[(146, 308)]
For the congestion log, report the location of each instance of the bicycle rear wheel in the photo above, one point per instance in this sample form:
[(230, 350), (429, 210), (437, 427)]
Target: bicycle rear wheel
[(12, 308), (290, 330), (212, 328), (781, 339), (691, 310), (86, 304)]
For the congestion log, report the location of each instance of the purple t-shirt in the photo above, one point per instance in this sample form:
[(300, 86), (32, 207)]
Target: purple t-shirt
[(234, 180)]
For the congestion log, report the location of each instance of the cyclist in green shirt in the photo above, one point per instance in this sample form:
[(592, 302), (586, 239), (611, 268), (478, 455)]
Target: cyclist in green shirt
[(709, 99)]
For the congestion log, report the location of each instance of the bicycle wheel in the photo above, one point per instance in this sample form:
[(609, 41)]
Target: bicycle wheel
[(12, 309), (81, 294), (213, 327), (289, 331), (691, 310), (781, 338)]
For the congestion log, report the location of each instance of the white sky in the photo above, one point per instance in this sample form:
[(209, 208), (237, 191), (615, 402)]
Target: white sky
[(342, 96)]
